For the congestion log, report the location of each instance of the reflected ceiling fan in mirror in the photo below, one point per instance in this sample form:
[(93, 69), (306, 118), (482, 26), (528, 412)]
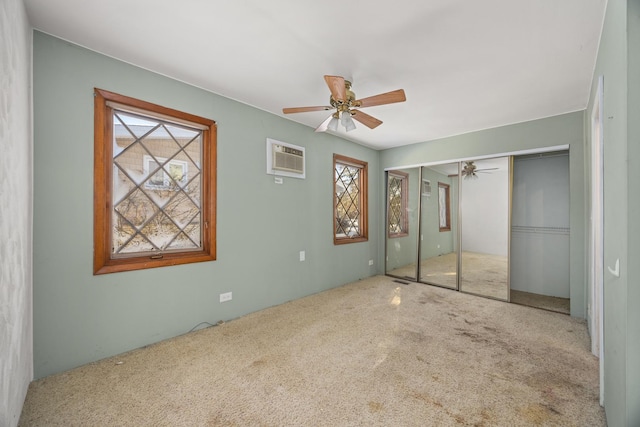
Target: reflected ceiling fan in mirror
[(347, 107), (470, 170)]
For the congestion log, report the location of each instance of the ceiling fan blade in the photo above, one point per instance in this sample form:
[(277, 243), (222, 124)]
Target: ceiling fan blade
[(366, 119), (324, 125), (337, 88), (487, 169), (383, 98), (305, 109)]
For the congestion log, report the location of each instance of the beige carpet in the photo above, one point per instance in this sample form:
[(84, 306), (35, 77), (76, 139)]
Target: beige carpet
[(371, 353)]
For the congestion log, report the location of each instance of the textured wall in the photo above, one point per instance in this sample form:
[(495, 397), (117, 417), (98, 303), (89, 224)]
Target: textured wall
[(16, 351)]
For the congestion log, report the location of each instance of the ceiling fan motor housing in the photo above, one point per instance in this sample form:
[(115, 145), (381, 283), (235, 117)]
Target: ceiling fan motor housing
[(348, 103)]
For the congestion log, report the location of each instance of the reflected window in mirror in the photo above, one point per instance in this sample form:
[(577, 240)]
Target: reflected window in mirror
[(444, 207), (398, 224)]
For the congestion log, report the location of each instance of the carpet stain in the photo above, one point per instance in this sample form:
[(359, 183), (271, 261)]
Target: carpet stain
[(537, 414), (420, 396), (477, 338), (488, 419), (375, 406)]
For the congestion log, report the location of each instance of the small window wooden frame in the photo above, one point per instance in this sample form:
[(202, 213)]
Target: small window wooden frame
[(404, 204), (103, 261), (363, 200), (444, 207)]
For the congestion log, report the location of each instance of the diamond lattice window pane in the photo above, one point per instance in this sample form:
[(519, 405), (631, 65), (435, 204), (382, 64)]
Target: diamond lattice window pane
[(137, 244), (137, 209), (193, 230), (123, 232), (156, 185), (181, 209), (182, 241), (160, 231), (182, 135)]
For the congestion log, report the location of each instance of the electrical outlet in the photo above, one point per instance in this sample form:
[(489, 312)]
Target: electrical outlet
[(302, 256), (228, 296), (370, 262)]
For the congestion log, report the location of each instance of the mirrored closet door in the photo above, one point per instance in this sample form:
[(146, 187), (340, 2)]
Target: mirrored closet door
[(485, 216), (449, 225), (439, 225), (402, 223)]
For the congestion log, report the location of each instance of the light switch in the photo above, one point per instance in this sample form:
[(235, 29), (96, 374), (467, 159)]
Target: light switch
[(302, 255)]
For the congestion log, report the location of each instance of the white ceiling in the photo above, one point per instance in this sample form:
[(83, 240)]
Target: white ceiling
[(464, 65)]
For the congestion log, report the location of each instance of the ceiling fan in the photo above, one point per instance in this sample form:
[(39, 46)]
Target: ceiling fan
[(346, 106), (470, 170)]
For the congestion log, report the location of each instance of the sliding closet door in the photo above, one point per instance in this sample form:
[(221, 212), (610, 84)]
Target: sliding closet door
[(439, 225), (484, 212), (402, 223), (540, 232)]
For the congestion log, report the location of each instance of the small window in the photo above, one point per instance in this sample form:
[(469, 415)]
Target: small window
[(350, 200), (165, 174), (154, 185), (444, 207), (398, 183)]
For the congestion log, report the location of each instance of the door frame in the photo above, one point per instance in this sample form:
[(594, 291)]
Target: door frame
[(596, 233)]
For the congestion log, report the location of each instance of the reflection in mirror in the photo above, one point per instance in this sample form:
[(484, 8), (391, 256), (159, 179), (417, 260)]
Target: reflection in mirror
[(439, 225), (402, 223), (485, 209)]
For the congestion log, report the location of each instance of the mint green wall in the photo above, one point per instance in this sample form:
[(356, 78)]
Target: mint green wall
[(261, 226), (633, 197), (619, 63), (633, 230), (560, 130)]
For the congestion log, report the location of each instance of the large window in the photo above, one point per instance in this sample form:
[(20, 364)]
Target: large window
[(154, 185), (350, 200), (398, 224)]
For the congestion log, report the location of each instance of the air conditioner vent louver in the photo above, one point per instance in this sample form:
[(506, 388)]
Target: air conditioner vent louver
[(426, 188), (284, 159), (288, 159)]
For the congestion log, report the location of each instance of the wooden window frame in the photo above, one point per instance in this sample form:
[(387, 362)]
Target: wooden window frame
[(363, 219), (404, 202), (103, 262), (447, 227)]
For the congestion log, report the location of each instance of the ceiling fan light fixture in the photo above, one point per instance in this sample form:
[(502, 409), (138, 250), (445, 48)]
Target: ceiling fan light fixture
[(350, 124), (333, 123)]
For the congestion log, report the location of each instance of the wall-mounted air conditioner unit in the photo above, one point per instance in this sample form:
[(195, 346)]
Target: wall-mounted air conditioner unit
[(426, 188), (285, 159)]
